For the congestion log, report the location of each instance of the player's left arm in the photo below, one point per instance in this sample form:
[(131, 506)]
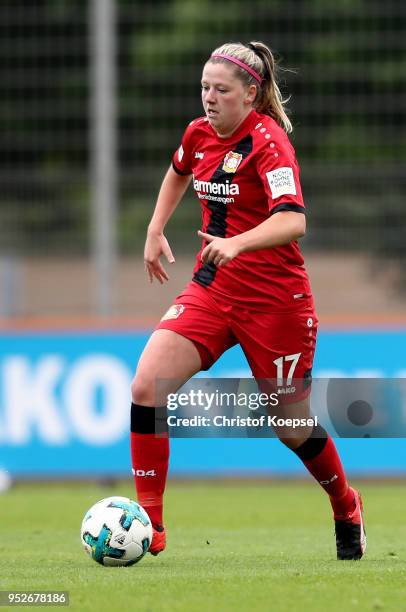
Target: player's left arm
[(281, 228)]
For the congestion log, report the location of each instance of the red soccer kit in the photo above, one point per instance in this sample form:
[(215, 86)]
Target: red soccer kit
[(261, 299)]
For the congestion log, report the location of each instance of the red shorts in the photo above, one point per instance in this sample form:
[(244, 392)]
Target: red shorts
[(277, 345)]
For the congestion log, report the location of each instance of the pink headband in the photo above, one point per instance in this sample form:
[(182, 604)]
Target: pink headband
[(230, 58)]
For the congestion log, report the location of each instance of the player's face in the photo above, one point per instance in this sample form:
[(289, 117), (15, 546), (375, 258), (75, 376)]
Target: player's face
[(226, 100)]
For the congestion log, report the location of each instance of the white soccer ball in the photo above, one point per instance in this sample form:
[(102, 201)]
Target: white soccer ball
[(116, 531)]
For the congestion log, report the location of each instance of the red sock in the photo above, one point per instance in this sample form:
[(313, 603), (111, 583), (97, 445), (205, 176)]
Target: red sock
[(150, 459), (327, 469)]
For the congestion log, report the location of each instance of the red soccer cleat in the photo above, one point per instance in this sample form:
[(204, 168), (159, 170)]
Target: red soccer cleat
[(158, 543), (351, 538)]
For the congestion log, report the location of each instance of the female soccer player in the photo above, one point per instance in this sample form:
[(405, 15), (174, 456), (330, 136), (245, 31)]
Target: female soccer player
[(249, 283)]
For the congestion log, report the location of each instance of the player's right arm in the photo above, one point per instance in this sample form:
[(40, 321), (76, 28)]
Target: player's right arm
[(172, 190)]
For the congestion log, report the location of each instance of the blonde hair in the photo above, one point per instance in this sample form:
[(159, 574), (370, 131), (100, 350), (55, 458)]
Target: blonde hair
[(260, 58)]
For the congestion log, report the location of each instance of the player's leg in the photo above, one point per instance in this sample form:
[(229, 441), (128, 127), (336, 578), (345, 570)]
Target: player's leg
[(168, 361), (320, 456), (190, 337), (313, 445), (285, 349), (316, 449)]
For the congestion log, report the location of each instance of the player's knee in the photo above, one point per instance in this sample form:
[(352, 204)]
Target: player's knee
[(294, 439), (142, 391), (147, 390)]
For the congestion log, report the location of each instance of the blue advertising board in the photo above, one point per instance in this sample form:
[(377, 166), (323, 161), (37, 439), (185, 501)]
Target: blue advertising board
[(65, 398)]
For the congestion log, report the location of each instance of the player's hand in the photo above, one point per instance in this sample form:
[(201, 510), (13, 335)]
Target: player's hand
[(156, 245), (219, 251)]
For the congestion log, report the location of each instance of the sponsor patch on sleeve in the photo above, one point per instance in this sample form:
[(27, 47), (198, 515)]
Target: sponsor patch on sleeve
[(281, 181), (180, 153)]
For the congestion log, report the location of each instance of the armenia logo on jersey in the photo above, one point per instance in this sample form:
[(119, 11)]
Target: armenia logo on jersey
[(174, 312), (232, 161)]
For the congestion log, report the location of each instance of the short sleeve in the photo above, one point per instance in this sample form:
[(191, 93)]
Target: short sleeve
[(182, 158), (278, 170)]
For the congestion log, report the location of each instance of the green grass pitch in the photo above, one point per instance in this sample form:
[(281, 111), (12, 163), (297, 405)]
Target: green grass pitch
[(231, 546)]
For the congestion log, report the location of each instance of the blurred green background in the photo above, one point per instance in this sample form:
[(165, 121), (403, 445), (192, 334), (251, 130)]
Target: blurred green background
[(345, 64)]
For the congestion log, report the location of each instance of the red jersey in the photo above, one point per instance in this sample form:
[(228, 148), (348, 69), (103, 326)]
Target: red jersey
[(240, 182)]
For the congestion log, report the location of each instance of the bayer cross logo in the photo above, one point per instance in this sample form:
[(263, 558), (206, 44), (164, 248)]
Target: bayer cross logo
[(232, 161)]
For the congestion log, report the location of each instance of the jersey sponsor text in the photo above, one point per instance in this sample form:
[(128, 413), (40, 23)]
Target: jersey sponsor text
[(216, 188)]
